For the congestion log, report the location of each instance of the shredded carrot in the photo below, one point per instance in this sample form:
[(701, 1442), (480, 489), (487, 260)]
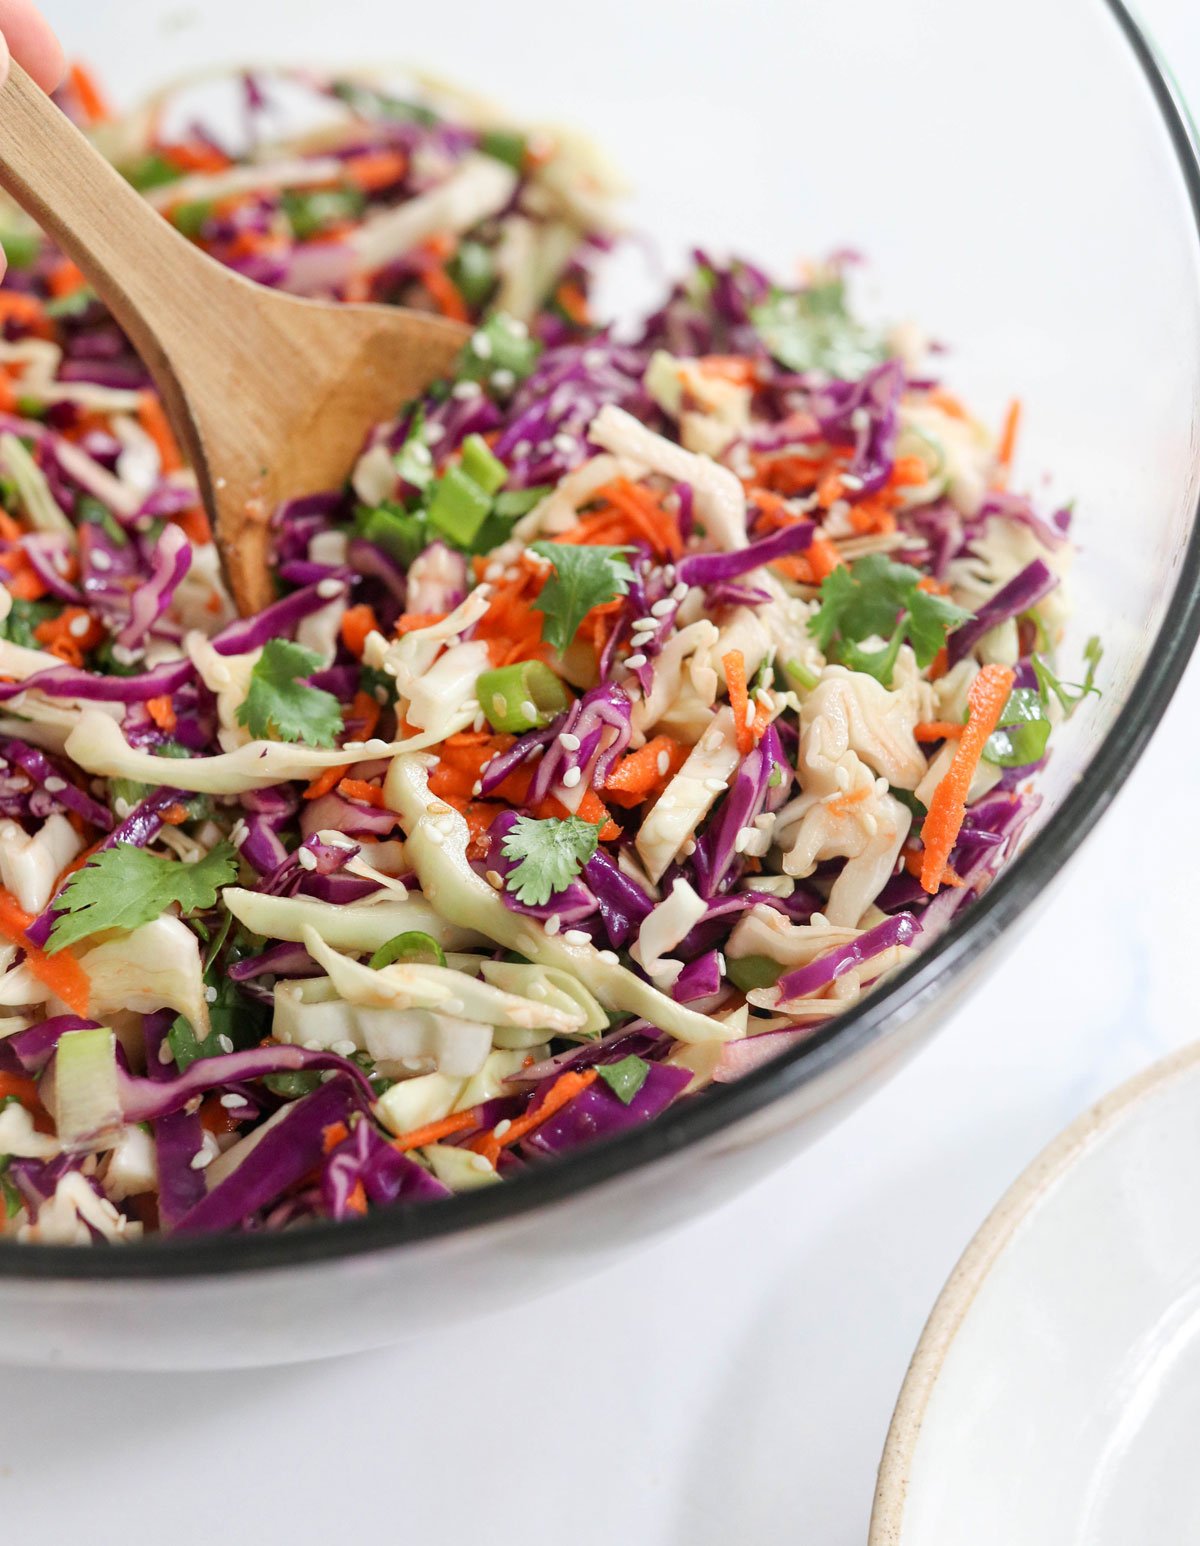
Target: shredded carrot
[(1008, 442), (364, 712), (985, 704), (162, 712), (908, 472), (565, 1088), (217, 1119), (434, 1132), (845, 803), (154, 421), (375, 170), (933, 587), (872, 517), (940, 664), (89, 96), (324, 782), (744, 712), (728, 367), (195, 156), (66, 278), (331, 1136), (61, 973), (356, 1199), (411, 621), (913, 861), (642, 774), (195, 527), (447, 297), (357, 623), (948, 403), (26, 311), (574, 303), (937, 730), (591, 808), (646, 515), (70, 635), (25, 1090), (367, 794)]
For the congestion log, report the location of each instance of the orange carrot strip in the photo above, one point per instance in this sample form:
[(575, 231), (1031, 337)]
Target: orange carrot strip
[(324, 782), (91, 98), (154, 421), (24, 1089), (357, 623), (948, 403), (66, 278), (359, 789), (414, 620), (447, 297), (734, 666), (375, 170), (175, 815), (331, 1136), (565, 1088), (61, 973), (985, 704), (729, 367), (940, 664), (434, 1132), (639, 775), (573, 302), (25, 310), (217, 1119), (937, 730), (162, 712), (1008, 436)]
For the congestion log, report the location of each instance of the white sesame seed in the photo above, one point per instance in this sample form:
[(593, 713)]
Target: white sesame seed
[(571, 778), (743, 840), (480, 1162), (520, 451), (501, 1127), (54, 784), (481, 345), (721, 962), (714, 785), (569, 742), (328, 588), (466, 390), (503, 380), (434, 432), (870, 823), (494, 571), (313, 1046), (852, 482), (344, 1048), (609, 957), (100, 560), (841, 777), (689, 848), (200, 1160), (661, 608), (421, 454), (232, 1102), (680, 591), (514, 327), (595, 359), (529, 709), (751, 712), (553, 924), (818, 921), (79, 625), (576, 937), (435, 835), (495, 880), (306, 859), (210, 993), (713, 742), (165, 1055), (564, 443), (225, 1042), (476, 789), (860, 419), (663, 763), (192, 1106), (642, 623), (635, 661)]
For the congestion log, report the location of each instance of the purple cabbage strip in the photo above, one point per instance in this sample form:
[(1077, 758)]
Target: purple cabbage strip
[(171, 560), (287, 1150), (598, 1112), (1023, 591), (623, 904), (700, 978), (35, 1046), (386, 1176), (144, 1100), (900, 930), (41, 769), (715, 568)]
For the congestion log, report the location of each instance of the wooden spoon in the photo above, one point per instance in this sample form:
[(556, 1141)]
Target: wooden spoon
[(271, 395)]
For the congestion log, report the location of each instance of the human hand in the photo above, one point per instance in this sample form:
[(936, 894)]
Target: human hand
[(27, 37)]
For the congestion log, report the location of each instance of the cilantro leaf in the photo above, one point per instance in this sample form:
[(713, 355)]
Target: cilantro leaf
[(124, 887), (812, 330), (584, 577), (1069, 695), (625, 1078), (550, 854), (1021, 735), (279, 707), (876, 598)]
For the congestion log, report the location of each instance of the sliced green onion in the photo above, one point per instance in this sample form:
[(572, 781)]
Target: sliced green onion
[(191, 216), (523, 697), (459, 506), (520, 501), (481, 466), (500, 344), (749, 972), (412, 947), (21, 248), (800, 676), (395, 531), (473, 272), (505, 145)]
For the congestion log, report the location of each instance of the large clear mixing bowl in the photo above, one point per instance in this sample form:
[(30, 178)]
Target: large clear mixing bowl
[(1029, 190)]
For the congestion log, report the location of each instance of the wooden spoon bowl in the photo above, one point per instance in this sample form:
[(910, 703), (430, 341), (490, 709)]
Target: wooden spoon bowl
[(271, 395)]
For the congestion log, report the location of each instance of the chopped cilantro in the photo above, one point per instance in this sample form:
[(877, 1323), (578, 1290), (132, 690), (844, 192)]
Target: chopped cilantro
[(625, 1078), (124, 887), (1023, 730), (812, 330), (584, 577), (1069, 695), (280, 707), (550, 854), (500, 344), (310, 213), (876, 598)]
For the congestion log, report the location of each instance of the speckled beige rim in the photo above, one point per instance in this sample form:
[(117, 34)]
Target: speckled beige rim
[(976, 1263)]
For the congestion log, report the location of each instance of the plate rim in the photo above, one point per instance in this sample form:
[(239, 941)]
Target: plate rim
[(974, 1267)]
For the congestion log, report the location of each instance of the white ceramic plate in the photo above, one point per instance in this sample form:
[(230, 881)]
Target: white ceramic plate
[(1054, 1397)]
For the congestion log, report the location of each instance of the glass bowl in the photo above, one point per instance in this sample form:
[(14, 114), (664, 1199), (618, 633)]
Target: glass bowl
[(1030, 192)]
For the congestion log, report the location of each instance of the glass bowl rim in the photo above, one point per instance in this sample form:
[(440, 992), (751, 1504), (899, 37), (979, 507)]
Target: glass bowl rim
[(719, 1107)]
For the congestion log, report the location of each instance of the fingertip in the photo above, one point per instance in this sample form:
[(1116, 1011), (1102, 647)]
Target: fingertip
[(32, 43)]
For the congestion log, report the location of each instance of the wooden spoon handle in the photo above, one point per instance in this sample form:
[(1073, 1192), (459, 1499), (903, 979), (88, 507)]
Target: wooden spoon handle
[(58, 177)]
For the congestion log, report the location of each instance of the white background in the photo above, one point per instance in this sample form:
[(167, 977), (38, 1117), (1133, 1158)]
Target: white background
[(732, 1385)]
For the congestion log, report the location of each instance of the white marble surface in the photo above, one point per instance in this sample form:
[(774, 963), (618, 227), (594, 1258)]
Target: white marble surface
[(743, 1384)]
